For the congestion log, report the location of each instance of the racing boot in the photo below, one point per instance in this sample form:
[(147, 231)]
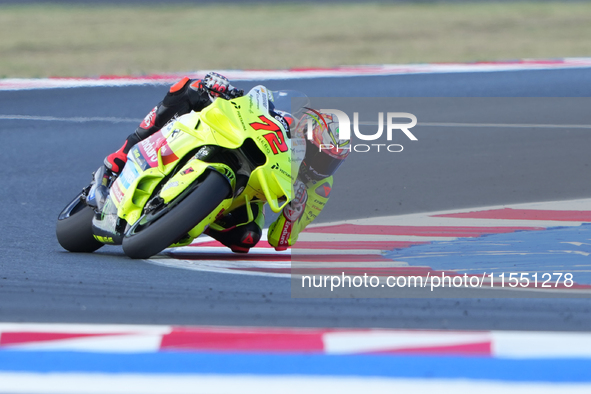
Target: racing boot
[(231, 231), (116, 160)]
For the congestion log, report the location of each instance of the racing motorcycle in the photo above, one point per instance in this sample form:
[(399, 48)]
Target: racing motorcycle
[(177, 182)]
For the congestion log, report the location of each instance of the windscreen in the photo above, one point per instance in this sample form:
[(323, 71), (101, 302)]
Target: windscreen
[(290, 101)]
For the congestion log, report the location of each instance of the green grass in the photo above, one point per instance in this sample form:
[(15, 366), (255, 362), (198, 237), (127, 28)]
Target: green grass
[(39, 41)]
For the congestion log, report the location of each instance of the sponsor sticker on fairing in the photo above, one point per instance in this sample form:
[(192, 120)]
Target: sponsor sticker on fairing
[(116, 192), (149, 150), (128, 175)]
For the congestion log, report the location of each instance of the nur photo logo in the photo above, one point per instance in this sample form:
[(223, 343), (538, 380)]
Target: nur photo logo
[(339, 125)]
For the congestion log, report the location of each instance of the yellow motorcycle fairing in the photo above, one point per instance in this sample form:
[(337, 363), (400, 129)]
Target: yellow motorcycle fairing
[(243, 124)]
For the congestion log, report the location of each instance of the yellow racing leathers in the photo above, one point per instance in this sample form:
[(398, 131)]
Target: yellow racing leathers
[(309, 200)]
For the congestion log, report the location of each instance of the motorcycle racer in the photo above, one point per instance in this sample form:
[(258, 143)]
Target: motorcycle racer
[(312, 187)]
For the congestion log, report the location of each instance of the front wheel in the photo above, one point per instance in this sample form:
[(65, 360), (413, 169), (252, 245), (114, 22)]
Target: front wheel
[(153, 233), (74, 228)]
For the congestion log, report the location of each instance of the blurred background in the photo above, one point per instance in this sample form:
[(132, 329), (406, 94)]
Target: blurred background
[(91, 38)]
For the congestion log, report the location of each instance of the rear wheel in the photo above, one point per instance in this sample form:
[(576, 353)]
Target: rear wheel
[(74, 228), (155, 231)]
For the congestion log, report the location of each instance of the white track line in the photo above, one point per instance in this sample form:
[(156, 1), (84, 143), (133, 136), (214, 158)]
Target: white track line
[(95, 383), (506, 125), (74, 119), (100, 344), (428, 124), (70, 328), (493, 125)]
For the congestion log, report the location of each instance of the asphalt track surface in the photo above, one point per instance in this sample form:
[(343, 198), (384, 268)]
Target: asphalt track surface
[(47, 163)]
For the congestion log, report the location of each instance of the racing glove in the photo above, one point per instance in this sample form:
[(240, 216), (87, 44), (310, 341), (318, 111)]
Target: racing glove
[(217, 85)]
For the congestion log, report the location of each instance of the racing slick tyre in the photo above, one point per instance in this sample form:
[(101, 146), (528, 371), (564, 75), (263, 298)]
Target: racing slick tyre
[(154, 232), (74, 228)]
